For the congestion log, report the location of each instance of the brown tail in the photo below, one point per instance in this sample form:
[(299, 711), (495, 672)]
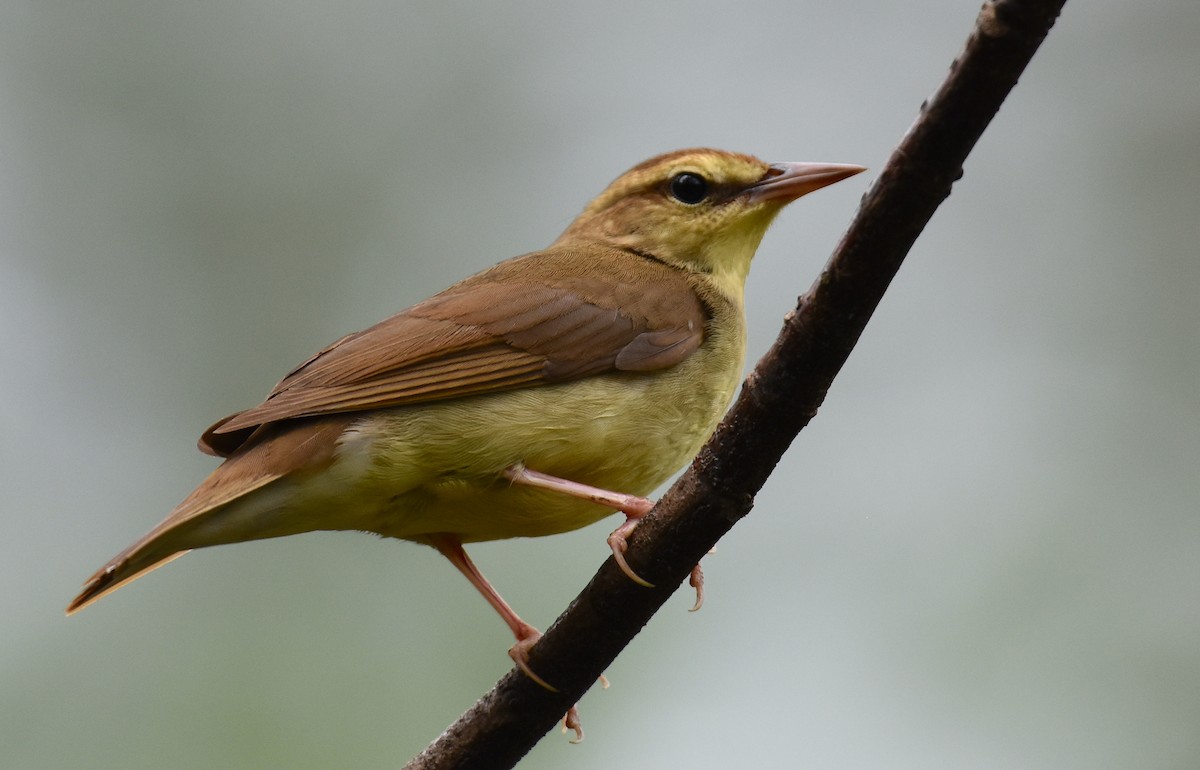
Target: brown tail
[(123, 568), (301, 445)]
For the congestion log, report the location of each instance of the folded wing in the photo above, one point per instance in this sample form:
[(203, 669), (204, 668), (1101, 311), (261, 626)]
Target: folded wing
[(526, 322)]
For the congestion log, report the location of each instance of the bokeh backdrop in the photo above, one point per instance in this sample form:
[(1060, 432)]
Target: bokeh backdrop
[(984, 552)]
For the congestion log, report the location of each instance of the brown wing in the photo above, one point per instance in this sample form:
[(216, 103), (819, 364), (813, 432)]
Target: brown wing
[(547, 317)]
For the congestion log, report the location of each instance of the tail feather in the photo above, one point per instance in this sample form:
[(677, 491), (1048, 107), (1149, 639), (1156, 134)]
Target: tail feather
[(116, 573), (305, 446)]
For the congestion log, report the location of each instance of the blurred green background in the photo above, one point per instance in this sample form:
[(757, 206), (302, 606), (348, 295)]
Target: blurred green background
[(984, 552)]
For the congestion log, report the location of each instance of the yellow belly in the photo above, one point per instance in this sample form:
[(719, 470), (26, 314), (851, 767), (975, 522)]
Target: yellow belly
[(433, 468)]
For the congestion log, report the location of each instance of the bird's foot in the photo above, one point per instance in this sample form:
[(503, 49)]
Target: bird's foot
[(571, 722), (696, 581), (618, 542), (634, 508), (519, 652)]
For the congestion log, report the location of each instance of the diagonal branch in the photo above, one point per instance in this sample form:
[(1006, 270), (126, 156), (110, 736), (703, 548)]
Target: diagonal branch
[(779, 398)]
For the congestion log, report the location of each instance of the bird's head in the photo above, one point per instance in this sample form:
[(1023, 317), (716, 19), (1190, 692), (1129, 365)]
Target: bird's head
[(701, 210)]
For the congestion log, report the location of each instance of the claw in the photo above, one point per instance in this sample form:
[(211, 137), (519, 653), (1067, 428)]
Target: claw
[(632, 506), (571, 722), (697, 581), (618, 544), (526, 635), (519, 652)]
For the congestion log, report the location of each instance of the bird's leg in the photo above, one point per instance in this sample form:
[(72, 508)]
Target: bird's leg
[(450, 547), (632, 506)]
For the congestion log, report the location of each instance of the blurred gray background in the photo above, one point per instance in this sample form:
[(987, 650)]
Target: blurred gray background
[(984, 552)]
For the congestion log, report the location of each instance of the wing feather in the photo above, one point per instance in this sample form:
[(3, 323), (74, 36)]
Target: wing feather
[(513, 326)]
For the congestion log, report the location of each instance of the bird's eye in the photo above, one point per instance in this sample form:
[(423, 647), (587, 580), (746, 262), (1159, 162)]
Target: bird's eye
[(689, 188)]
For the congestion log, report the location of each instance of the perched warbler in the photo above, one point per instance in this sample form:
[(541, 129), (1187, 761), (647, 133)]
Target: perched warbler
[(533, 398)]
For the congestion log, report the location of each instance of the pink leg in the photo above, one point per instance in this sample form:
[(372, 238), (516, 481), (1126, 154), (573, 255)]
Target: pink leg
[(526, 635), (450, 547), (632, 506)]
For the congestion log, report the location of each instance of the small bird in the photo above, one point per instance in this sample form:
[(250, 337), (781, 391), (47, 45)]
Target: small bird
[(533, 398)]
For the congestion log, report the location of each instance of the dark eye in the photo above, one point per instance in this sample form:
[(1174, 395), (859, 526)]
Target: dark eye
[(688, 188)]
